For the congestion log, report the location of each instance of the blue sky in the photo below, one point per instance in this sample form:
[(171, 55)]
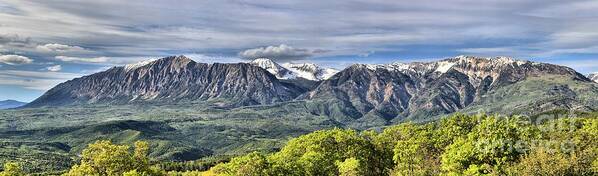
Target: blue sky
[(43, 43)]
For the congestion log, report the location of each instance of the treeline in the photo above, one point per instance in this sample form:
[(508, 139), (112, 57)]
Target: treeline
[(457, 145)]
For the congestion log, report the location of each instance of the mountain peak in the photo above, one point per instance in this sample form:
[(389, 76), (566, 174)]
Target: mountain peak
[(177, 59), (265, 63), (174, 78), (272, 67), (170, 60), (139, 64), (307, 71), (499, 60)]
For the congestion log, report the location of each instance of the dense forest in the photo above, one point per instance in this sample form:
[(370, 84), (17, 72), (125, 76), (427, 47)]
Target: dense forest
[(456, 145)]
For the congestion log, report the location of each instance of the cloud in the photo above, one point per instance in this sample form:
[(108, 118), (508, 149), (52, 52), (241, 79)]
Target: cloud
[(14, 59), (83, 59), (14, 40), (132, 28), (58, 48), (281, 52), (33, 79), (54, 68)]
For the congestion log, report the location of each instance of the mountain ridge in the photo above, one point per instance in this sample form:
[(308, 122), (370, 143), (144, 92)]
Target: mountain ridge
[(392, 92), (421, 89), (8, 104), (173, 78), (308, 71)]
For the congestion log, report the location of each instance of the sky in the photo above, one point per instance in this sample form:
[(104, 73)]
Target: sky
[(45, 42)]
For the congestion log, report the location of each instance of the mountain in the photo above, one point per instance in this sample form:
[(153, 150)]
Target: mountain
[(379, 92), (421, 90), (7, 104), (187, 110), (593, 76), (172, 79), (307, 71), (276, 69)]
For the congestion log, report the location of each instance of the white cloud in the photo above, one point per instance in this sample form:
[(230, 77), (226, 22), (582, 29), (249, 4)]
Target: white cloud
[(33, 79), (14, 59), (54, 68), (281, 52), (58, 48), (83, 59)]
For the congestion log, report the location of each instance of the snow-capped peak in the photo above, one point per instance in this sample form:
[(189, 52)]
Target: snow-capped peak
[(493, 61), (277, 70), (138, 64), (444, 66), (310, 71), (307, 71), (265, 63)]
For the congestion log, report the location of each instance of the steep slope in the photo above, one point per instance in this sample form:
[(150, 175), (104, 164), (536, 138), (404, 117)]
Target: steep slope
[(7, 104), (170, 79), (399, 91)]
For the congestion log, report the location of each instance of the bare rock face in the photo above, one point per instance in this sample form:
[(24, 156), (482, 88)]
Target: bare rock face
[(398, 90), (169, 79)]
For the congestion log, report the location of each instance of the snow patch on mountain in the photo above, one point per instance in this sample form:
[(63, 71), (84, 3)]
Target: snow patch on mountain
[(307, 71), (133, 66), (444, 66)]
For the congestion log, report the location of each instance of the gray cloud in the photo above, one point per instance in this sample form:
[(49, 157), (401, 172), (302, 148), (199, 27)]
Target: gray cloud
[(281, 52), (138, 28), (14, 59)]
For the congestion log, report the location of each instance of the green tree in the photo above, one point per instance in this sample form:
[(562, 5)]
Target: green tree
[(253, 164), (317, 154), (413, 149), (349, 167), (12, 169), (105, 158), (568, 146), (490, 146)]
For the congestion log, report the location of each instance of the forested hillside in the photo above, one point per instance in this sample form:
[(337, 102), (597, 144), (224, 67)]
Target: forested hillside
[(460, 144)]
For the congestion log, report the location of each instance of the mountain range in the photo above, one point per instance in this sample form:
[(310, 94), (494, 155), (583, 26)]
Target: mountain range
[(7, 104), (187, 110), (388, 92)]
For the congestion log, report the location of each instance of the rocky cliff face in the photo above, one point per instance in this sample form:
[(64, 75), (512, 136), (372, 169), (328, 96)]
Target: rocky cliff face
[(398, 91), (174, 78)]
